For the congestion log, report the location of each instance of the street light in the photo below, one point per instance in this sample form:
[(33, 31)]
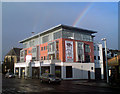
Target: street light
[(39, 57), (104, 39)]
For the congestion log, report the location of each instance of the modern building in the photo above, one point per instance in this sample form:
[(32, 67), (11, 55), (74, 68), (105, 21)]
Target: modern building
[(63, 50), (98, 59), (10, 58)]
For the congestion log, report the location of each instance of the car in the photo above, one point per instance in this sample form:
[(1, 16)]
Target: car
[(9, 75), (50, 78)]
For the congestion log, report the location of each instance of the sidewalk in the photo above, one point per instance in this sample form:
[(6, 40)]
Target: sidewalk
[(95, 83)]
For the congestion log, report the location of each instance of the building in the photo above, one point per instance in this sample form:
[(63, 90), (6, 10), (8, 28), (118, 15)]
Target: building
[(98, 59), (63, 50), (110, 54), (10, 58), (114, 66)]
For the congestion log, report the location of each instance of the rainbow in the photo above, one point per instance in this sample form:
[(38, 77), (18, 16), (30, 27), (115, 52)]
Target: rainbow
[(82, 15)]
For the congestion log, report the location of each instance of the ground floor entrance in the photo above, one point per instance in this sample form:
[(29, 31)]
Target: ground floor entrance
[(62, 70), (98, 73), (35, 72)]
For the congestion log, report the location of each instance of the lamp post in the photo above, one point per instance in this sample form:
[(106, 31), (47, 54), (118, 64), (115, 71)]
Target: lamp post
[(104, 39), (39, 56)]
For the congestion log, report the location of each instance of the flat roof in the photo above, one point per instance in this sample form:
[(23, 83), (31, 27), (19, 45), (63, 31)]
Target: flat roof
[(60, 26)]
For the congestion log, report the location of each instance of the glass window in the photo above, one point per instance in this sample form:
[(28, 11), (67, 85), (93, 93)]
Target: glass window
[(57, 35), (87, 58), (33, 50), (45, 39), (98, 48), (25, 45), (87, 48), (94, 48), (21, 53), (29, 51), (67, 34), (44, 47), (41, 58), (98, 57), (86, 37), (95, 57), (44, 58), (51, 47), (33, 58), (41, 48), (57, 45)]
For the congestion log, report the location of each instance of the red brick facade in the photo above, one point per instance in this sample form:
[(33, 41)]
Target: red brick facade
[(62, 56)]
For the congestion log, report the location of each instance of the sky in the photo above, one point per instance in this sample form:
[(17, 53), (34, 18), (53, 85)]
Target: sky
[(20, 19)]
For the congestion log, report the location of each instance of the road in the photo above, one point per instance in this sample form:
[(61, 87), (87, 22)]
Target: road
[(15, 85)]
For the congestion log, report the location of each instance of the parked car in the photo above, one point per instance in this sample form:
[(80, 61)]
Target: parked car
[(9, 75), (50, 78)]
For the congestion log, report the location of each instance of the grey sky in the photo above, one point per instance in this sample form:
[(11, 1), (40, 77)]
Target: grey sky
[(20, 19)]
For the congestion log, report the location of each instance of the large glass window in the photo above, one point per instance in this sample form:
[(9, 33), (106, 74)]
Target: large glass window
[(57, 35), (45, 39), (32, 43), (87, 38), (80, 52), (25, 45), (87, 48), (51, 47), (67, 34), (33, 50)]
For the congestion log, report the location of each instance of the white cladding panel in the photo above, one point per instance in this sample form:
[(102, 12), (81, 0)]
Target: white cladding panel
[(79, 70)]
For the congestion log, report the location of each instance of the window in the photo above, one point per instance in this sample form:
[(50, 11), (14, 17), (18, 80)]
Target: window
[(98, 57), (41, 58), (87, 48), (95, 57), (57, 45), (67, 34), (29, 51), (91, 68), (44, 57), (25, 52), (25, 45), (57, 56), (33, 58), (41, 48), (94, 48), (87, 38), (87, 58), (21, 53), (57, 35), (33, 50), (45, 39), (44, 47), (98, 48), (51, 47)]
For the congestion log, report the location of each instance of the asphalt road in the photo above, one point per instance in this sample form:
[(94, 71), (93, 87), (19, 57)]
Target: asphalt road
[(21, 86)]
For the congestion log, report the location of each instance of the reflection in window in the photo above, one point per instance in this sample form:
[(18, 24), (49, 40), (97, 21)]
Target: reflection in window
[(87, 58), (87, 48)]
